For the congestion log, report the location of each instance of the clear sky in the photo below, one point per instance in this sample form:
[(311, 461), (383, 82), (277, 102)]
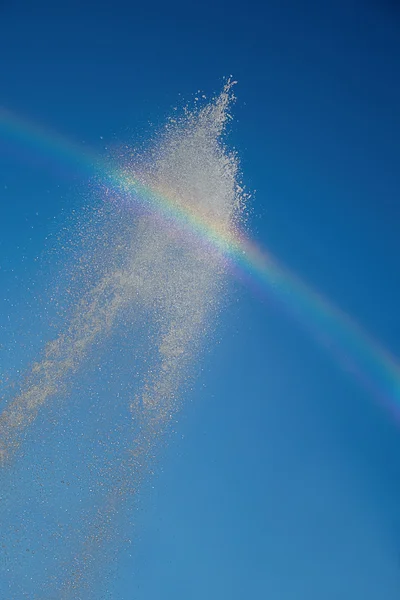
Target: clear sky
[(282, 481)]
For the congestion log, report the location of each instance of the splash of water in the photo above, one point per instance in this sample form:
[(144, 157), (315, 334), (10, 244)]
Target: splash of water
[(161, 275)]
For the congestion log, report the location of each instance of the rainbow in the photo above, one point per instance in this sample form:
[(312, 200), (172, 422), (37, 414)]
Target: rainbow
[(373, 366)]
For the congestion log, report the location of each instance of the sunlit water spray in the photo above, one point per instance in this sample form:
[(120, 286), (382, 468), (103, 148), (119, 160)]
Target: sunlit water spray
[(163, 278)]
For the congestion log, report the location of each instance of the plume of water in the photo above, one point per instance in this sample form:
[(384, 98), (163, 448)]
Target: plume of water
[(166, 279)]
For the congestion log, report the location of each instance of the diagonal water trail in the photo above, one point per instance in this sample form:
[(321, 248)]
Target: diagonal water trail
[(167, 281), (94, 317)]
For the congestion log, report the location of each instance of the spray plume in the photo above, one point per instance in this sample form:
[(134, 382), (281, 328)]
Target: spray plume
[(165, 279)]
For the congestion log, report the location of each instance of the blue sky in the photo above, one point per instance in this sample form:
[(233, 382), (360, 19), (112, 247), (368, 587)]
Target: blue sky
[(282, 479)]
